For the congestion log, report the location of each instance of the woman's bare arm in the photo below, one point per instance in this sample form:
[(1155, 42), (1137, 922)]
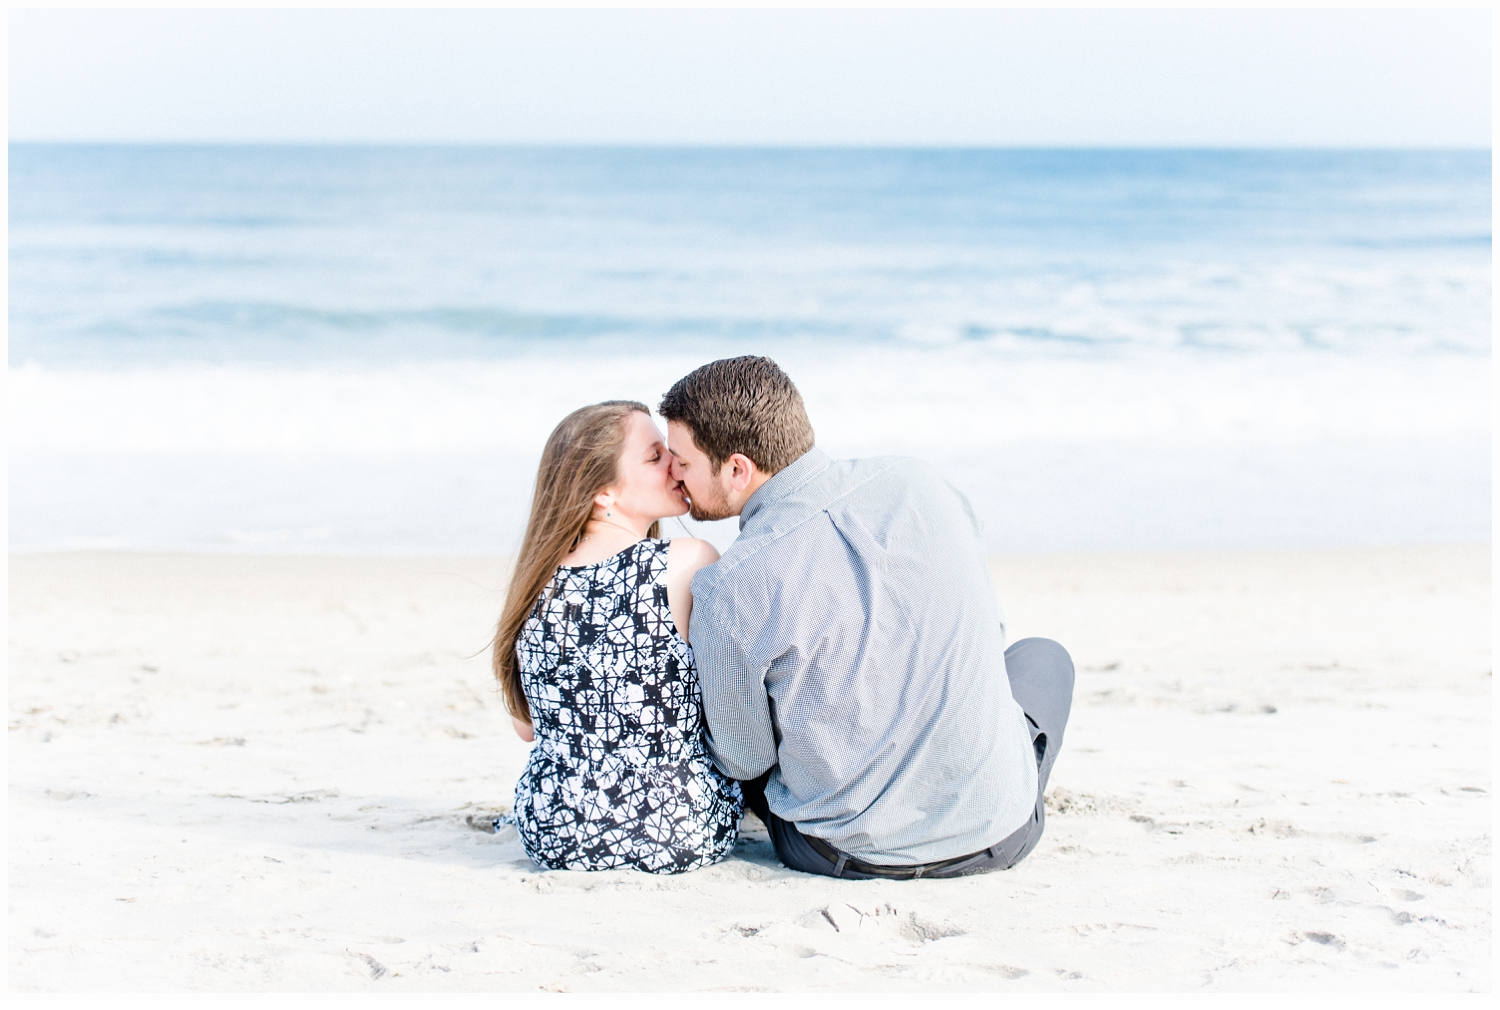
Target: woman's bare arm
[(523, 729), (685, 557)]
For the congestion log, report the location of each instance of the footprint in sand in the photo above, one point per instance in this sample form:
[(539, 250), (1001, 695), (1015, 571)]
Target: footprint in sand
[(1326, 939), (371, 966), (880, 922), (1003, 970)]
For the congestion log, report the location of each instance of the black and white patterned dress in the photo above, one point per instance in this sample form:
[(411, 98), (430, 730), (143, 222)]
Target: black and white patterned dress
[(619, 776)]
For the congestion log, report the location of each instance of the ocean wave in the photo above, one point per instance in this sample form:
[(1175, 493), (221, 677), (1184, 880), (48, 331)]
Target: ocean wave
[(146, 255), (878, 400), (1158, 452), (363, 349)]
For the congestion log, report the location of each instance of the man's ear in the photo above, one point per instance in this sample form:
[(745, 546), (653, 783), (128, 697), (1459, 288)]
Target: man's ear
[(742, 471)]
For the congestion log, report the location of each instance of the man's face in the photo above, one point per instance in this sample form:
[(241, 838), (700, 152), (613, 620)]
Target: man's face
[(708, 490)]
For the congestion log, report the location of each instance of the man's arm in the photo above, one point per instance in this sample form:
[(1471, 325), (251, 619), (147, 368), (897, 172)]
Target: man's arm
[(740, 736)]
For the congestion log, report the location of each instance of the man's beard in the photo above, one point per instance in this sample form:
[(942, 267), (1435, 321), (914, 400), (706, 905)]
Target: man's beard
[(713, 508)]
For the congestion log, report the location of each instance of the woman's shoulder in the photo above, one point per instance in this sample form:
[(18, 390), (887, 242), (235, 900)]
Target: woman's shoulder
[(686, 555)]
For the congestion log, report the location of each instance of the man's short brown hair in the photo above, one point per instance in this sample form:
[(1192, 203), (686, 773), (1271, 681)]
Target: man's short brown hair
[(746, 405)]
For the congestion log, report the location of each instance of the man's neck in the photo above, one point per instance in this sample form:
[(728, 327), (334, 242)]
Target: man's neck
[(805, 466), (756, 482)]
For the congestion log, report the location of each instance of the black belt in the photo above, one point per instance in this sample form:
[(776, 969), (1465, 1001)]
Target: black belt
[(843, 861)]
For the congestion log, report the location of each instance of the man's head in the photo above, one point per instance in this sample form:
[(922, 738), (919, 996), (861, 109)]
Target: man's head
[(732, 425)]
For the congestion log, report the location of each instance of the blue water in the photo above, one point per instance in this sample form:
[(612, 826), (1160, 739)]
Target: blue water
[(1176, 348), (292, 254)]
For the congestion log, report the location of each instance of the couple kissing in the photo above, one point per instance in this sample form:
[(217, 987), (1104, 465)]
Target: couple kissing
[(841, 670)]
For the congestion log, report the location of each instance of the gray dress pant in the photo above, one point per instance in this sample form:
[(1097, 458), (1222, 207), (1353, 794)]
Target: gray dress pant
[(1041, 681)]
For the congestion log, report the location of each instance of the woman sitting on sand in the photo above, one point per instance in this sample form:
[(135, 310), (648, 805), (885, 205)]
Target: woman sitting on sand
[(593, 658)]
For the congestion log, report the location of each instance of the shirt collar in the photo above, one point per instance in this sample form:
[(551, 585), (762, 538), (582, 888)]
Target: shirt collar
[(785, 481)]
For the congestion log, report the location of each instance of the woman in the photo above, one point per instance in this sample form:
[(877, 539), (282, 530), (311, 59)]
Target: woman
[(592, 655)]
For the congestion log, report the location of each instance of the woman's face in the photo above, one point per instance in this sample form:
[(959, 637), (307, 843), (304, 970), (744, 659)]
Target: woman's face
[(645, 490)]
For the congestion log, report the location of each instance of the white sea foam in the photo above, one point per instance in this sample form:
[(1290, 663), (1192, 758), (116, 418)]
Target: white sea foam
[(869, 401), (1165, 450), (363, 349)]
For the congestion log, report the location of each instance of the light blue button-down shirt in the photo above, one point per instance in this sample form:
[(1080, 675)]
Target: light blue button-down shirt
[(850, 637)]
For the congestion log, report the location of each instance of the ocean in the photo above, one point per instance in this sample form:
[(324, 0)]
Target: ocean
[(360, 350)]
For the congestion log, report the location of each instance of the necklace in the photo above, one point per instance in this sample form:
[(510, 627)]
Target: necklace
[(601, 522)]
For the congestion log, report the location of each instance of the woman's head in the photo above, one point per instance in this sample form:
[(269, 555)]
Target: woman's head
[(642, 489), (607, 459)]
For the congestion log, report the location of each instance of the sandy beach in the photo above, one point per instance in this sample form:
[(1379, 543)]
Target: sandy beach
[(253, 774)]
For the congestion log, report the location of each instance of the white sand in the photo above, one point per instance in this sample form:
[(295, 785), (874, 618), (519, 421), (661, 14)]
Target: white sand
[(252, 773)]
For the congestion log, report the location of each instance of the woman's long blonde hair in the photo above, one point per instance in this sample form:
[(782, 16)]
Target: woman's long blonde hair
[(581, 458)]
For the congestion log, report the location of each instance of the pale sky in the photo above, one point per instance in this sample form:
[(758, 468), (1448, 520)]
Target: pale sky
[(912, 77)]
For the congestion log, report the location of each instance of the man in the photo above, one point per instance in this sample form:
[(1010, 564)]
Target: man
[(851, 649)]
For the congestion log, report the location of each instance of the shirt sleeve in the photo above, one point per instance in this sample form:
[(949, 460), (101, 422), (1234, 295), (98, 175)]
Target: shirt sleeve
[(741, 739)]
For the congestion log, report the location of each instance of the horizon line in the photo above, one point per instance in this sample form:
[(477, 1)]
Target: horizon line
[(761, 145)]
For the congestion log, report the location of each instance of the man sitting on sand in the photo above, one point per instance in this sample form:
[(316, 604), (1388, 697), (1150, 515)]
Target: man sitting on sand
[(851, 648)]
